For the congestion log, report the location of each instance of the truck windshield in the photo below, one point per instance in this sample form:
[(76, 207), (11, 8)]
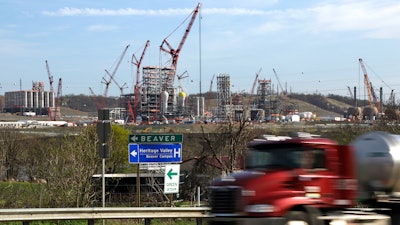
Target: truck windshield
[(274, 158)]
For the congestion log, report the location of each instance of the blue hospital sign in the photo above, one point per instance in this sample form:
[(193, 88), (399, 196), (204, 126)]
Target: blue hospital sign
[(155, 153)]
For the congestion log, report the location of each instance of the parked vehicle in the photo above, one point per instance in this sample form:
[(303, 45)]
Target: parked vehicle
[(312, 180)]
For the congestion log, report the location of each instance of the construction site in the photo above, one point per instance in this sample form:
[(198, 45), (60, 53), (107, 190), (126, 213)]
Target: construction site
[(156, 98), (36, 101)]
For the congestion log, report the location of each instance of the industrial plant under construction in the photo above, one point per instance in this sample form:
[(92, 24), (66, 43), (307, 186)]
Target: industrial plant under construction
[(156, 97)]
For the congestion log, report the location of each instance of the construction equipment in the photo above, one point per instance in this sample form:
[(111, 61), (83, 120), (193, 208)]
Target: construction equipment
[(283, 91), (182, 76), (175, 52), (350, 92), (50, 77), (253, 87), (94, 98), (137, 63), (57, 100), (374, 97), (120, 87), (107, 82), (209, 94), (367, 83), (53, 111), (391, 98)]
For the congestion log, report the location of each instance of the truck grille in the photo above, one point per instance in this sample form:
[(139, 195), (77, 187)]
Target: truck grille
[(225, 200)]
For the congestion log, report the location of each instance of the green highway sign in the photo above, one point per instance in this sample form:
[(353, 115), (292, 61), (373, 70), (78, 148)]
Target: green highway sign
[(155, 138), (171, 178)]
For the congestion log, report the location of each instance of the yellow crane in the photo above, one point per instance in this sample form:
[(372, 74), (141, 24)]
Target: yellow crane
[(367, 83)]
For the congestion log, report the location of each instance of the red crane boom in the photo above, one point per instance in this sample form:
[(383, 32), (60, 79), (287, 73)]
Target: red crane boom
[(94, 98), (137, 63), (175, 52)]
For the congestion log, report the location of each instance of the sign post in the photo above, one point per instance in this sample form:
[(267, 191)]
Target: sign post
[(171, 178), (157, 148), (103, 132)]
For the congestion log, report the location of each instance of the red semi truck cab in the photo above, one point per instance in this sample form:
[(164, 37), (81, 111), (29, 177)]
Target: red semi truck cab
[(286, 179)]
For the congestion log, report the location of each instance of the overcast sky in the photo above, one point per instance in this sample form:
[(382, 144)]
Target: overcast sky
[(314, 46)]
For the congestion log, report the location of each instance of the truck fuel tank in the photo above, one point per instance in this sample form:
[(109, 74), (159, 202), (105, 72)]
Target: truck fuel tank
[(378, 163)]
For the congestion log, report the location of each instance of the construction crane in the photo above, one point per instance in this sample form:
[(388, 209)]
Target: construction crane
[(52, 111), (57, 100), (374, 97), (50, 77), (391, 97), (350, 92), (120, 87), (367, 83), (175, 52), (136, 89), (254, 86), (210, 92), (107, 82), (280, 84), (95, 100), (182, 76)]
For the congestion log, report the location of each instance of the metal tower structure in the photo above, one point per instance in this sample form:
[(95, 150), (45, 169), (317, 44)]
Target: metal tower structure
[(158, 95), (224, 95), (264, 91)]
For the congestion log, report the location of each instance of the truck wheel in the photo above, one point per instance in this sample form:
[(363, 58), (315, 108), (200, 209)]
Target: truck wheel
[(297, 218)]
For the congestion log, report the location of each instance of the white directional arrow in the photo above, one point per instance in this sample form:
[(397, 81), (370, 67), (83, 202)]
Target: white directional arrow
[(134, 153), (134, 138)]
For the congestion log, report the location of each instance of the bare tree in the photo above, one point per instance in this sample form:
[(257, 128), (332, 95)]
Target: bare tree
[(68, 167), (227, 143), (9, 151)]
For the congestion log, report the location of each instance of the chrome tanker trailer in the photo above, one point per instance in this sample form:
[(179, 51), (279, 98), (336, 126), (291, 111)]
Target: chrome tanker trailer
[(378, 172), (378, 165)]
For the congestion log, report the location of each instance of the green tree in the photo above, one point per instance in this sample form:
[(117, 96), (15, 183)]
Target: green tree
[(118, 160)]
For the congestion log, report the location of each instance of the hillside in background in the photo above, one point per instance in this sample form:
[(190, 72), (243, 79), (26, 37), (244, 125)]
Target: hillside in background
[(322, 106), (331, 105)]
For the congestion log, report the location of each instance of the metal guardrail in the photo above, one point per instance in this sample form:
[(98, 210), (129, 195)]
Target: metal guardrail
[(91, 214)]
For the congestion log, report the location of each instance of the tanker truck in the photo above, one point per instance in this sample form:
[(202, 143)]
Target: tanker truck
[(307, 179)]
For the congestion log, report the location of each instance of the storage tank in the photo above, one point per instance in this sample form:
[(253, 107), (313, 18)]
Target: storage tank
[(354, 111), (164, 101), (369, 112), (378, 163), (181, 99), (392, 113)]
